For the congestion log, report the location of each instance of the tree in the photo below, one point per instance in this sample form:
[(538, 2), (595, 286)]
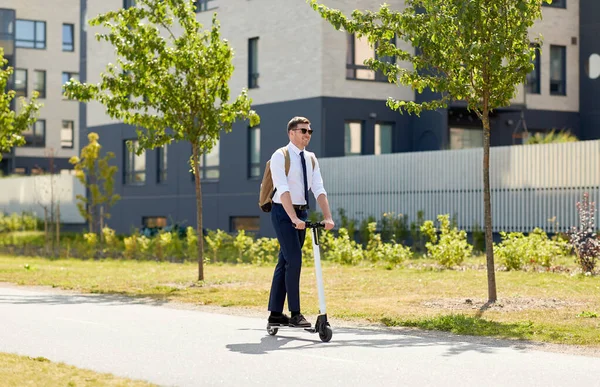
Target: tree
[(98, 177), (170, 81), (12, 124), (475, 51)]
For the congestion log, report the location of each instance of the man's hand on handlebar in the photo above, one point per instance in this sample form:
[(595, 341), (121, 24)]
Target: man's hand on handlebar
[(299, 224)]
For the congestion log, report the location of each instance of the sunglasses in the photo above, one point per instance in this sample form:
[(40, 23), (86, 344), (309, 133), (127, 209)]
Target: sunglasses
[(304, 130)]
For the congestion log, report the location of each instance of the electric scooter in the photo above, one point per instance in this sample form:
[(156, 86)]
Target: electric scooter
[(322, 325)]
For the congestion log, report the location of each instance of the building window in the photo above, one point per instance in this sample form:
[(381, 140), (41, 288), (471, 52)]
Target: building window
[(20, 82), (209, 164), (154, 221), (161, 167), (67, 134), (247, 223), (558, 72), (253, 63), (39, 82), (533, 85), (556, 4), (358, 50), (68, 37), (383, 138), (204, 5), (35, 137), (353, 138), (134, 172), (465, 138), (66, 77), (254, 152), (128, 3), (30, 34)]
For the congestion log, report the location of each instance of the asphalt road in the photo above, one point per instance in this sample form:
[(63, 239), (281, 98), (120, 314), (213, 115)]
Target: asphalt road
[(185, 347)]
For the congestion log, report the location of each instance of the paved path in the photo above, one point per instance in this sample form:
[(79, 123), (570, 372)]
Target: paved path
[(180, 347)]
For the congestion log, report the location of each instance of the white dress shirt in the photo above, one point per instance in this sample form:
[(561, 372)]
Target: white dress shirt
[(294, 181)]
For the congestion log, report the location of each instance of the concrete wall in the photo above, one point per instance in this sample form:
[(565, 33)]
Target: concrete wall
[(33, 193)]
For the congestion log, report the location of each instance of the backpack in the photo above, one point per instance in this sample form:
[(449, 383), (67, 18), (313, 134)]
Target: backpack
[(265, 197)]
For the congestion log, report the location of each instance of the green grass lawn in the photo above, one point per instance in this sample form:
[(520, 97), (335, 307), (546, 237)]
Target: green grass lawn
[(546, 307), (19, 371)]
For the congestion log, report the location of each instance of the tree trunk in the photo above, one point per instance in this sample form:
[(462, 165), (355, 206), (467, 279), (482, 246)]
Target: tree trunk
[(487, 203), (195, 159)]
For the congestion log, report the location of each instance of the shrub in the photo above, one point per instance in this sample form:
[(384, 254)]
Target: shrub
[(264, 251), (583, 238), (451, 247), (131, 247), (191, 242), (378, 251), (344, 250), (242, 243), (216, 240), (16, 222), (416, 234), (517, 250)]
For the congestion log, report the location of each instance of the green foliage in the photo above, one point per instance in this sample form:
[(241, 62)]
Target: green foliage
[(394, 227), (552, 137), (243, 245), (364, 230), (264, 251), (536, 249), (191, 240), (216, 240), (450, 247), (390, 253), (344, 250), (12, 124), (348, 224), (111, 242), (95, 173), (478, 237), (587, 314), (418, 239), (16, 222)]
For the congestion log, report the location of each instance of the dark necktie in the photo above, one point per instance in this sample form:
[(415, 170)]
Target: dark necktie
[(304, 175)]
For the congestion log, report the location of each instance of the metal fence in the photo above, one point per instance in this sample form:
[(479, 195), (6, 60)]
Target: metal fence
[(532, 185)]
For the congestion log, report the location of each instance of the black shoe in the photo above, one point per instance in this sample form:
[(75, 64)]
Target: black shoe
[(281, 320), (299, 321)]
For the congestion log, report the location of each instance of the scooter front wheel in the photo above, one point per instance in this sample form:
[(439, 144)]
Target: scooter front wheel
[(272, 331), (325, 333)]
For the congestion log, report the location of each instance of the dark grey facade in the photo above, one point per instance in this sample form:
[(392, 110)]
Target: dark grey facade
[(589, 89)]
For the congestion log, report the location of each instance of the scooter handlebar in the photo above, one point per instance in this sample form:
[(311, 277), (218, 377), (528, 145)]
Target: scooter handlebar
[(314, 225)]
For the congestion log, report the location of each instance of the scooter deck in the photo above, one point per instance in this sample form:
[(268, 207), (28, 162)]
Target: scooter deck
[(285, 326)]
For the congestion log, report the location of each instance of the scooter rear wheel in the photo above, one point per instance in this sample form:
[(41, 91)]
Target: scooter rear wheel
[(325, 333), (272, 331)]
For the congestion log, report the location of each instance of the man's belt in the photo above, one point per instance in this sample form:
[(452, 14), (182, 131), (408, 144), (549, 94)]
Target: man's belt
[(300, 207)]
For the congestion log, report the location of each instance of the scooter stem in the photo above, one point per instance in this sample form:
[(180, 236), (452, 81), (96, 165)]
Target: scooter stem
[(319, 274)]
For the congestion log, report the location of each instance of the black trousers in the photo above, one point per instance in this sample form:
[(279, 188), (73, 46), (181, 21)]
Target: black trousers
[(286, 278)]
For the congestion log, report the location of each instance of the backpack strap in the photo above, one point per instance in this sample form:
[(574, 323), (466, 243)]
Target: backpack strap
[(286, 154)]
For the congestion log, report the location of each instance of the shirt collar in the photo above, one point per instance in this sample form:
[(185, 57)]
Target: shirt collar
[(294, 148)]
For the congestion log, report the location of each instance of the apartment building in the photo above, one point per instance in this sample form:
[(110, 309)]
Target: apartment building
[(295, 63), (41, 41)]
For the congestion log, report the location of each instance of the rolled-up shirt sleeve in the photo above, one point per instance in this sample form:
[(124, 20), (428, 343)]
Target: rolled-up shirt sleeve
[(277, 166), (317, 181)]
